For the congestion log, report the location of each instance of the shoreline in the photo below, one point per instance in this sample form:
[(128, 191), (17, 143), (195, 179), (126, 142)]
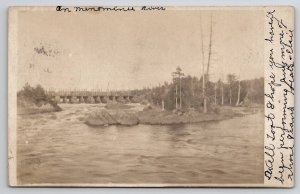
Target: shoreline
[(135, 114), (31, 110), (158, 117)]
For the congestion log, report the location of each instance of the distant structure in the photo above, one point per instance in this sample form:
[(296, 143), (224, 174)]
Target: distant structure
[(64, 96)]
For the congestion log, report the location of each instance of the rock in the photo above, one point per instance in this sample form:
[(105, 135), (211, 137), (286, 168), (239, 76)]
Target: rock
[(94, 122), (116, 106), (80, 118), (148, 107), (180, 113), (126, 118), (104, 118), (108, 118), (100, 118)]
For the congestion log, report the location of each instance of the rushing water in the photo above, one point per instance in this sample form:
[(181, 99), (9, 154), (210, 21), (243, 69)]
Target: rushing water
[(60, 148)]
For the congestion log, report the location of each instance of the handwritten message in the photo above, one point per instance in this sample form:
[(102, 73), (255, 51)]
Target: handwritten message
[(279, 100), (109, 9)]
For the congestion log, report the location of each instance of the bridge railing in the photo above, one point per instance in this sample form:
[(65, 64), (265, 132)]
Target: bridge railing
[(87, 93)]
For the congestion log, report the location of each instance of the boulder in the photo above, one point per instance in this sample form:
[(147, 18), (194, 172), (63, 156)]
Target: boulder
[(100, 118), (124, 118), (104, 118)]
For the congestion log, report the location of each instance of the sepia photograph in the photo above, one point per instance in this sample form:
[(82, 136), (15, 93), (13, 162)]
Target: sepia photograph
[(137, 96)]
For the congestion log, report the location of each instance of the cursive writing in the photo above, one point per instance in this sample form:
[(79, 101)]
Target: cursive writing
[(279, 100), (108, 9)]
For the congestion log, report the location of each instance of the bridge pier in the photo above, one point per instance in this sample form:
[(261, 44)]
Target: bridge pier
[(69, 99), (118, 99), (97, 99), (73, 99), (81, 99), (112, 98), (90, 100), (103, 99), (65, 99), (130, 98), (56, 99), (126, 99), (85, 99)]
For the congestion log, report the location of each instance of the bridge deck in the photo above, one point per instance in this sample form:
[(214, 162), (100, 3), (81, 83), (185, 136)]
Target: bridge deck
[(89, 96)]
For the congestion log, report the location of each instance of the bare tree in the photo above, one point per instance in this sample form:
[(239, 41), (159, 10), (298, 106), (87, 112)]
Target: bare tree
[(239, 93), (176, 98), (162, 104), (205, 76), (222, 92), (174, 79), (209, 48), (215, 93), (203, 71)]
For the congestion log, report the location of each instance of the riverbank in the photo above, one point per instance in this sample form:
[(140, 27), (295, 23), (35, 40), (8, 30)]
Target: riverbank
[(30, 108), (156, 116)]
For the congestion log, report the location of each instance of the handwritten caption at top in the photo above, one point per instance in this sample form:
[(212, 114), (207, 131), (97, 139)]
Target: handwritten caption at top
[(279, 101), (107, 9)]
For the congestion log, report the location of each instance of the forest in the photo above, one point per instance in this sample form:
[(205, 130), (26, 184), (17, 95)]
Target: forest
[(186, 92)]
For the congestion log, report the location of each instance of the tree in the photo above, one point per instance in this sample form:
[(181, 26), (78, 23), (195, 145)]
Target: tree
[(220, 88), (239, 93), (205, 76), (222, 92), (209, 48), (251, 92), (174, 80), (215, 89), (177, 76), (231, 78), (203, 72), (29, 96)]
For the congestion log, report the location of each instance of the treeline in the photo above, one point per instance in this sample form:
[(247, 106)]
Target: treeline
[(189, 91), (30, 96)]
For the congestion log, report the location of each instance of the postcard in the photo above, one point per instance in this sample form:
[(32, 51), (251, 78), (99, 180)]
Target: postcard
[(151, 96)]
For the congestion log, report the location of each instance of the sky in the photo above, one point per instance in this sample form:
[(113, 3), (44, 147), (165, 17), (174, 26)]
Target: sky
[(133, 50)]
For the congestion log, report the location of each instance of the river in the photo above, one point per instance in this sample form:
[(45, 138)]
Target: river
[(58, 148)]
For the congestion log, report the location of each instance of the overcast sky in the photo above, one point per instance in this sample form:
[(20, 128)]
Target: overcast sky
[(130, 50)]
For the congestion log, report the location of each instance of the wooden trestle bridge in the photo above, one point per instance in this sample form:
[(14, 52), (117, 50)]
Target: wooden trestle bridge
[(89, 96)]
